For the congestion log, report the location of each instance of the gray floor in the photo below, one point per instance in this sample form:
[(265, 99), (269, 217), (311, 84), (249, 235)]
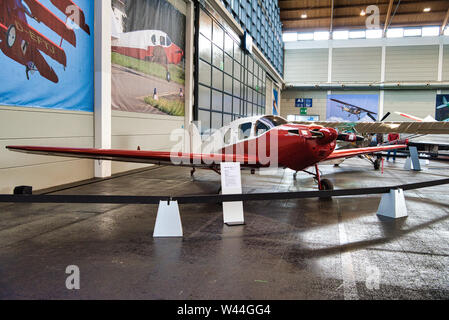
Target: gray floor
[(295, 249)]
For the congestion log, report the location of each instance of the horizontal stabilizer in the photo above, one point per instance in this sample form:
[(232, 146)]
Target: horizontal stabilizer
[(73, 12)]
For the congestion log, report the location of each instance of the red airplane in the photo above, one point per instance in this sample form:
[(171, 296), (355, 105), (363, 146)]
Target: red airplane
[(244, 140), (24, 44)]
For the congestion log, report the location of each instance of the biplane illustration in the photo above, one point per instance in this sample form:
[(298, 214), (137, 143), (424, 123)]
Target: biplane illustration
[(25, 45), (354, 110)]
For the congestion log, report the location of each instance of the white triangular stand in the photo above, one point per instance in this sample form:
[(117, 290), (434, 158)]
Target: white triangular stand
[(168, 220), (231, 183), (393, 205)]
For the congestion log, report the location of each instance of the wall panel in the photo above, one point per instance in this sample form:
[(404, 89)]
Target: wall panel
[(356, 64), (305, 66)]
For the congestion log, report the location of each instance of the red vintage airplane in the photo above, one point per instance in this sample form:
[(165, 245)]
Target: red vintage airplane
[(297, 146), (24, 44)]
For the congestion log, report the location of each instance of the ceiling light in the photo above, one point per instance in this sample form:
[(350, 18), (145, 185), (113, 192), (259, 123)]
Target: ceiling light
[(304, 16), (362, 13), (426, 9)]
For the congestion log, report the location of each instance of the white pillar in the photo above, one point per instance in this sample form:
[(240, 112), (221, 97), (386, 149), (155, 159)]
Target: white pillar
[(440, 62), (382, 80), (102, 61), (189, 81)]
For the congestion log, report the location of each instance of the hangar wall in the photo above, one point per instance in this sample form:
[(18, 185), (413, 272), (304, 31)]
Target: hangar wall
[(356, 62), (32, 126)]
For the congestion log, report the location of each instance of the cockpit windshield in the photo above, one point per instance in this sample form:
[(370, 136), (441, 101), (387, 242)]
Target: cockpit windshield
[(273, 121)]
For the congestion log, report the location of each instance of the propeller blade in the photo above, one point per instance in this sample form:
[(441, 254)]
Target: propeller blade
[(385, 116)]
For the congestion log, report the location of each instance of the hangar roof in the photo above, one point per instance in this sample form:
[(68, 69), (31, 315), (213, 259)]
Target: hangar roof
[(330, 15)]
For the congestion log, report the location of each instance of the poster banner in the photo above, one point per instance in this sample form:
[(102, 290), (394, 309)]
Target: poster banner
[(352, 107), (46, 54), (148, 41), (442, 107), (275, 102)]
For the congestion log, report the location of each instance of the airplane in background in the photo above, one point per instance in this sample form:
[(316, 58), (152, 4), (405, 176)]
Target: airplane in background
[(24, 44), (444, 105), (247, 141), (429, 118), (354, 110), (150, 45)]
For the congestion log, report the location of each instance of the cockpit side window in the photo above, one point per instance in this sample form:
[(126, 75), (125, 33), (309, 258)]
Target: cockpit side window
[(162, 40), (168, 41), (245, 130), (153, 39), (261, 128)]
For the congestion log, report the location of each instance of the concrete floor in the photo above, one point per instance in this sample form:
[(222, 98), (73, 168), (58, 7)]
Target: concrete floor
[(290, 249)]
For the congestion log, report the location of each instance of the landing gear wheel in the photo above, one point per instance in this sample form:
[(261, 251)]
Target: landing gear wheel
[(377, 163), (326, 184), (11, 36), (168, 77)]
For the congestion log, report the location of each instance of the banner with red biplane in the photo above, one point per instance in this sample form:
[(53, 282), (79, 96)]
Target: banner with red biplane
[(148, 71), (46, 57)]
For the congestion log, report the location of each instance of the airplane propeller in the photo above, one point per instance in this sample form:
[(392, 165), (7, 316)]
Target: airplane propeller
[(385, 116)]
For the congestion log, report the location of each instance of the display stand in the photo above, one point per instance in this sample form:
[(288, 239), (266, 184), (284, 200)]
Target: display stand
[(393, 205), (412, 162), (231, 183), (168, 220)]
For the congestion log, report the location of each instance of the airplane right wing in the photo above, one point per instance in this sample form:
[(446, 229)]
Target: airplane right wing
[(347, 153), (73, 12)]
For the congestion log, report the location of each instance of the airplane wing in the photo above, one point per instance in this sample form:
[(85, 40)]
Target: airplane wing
[(409, 116), (44, 69), (42, 14), (140, 156), (437, 127), (73, 12), (347, 153), (354, 106)]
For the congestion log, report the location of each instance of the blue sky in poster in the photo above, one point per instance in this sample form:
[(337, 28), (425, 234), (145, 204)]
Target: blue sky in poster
[(75, 89), (366, 101)]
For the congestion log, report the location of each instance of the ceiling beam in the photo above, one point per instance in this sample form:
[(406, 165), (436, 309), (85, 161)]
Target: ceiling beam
[(332, 17), (387, 19), (446, 19)]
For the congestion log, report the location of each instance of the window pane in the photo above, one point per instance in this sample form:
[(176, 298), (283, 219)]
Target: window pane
[(227, 106), (217, 57), (218, 35), (217, 100), (236, 106), (204, 119), (228, 64), (236, 70), (205, 73), (238, 53), (204, 97), (236, 88), (227, 119), (205, 24), (217, 121), (205, 49), (217, 79), (229, 45), (227, 84)]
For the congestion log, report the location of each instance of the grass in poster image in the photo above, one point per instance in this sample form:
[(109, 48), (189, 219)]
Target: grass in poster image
[(150, 68), (172, 105)]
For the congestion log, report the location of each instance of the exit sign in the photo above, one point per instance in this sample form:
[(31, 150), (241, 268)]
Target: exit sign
[(303, 111)]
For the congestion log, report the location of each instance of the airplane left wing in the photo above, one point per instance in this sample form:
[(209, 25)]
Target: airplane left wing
[(42, 14), (43, 67), (140, 156), (347, 153)]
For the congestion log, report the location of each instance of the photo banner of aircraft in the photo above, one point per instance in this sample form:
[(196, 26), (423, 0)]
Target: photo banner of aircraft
[(47, 59)]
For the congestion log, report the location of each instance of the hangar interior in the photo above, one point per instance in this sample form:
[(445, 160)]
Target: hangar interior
[(209, 63)]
